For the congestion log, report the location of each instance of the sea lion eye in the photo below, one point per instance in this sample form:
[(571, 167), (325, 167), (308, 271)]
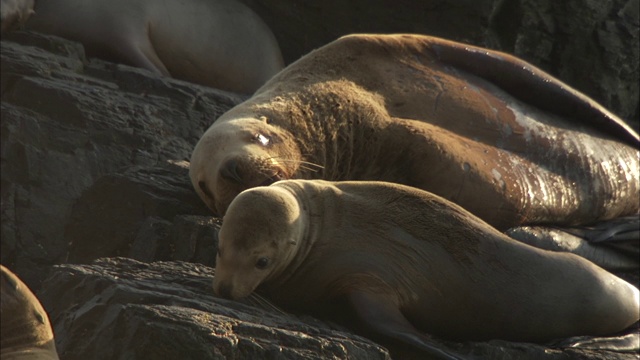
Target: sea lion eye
[(262, 139), (262, 263)]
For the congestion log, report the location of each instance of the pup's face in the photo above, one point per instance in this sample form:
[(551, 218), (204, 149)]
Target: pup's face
[(257, 240)]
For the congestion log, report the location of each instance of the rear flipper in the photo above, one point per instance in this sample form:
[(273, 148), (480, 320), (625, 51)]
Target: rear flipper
[(613, 245), (624, 343), (382, 316)]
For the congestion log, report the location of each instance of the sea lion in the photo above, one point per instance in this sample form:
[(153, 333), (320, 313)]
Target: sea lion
[(218, 43), (13, 13), (26, 330), (484, 129), (406, 262)]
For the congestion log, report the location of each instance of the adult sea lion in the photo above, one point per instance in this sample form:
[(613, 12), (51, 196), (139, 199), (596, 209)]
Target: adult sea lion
[(484, 129), (26, 330), (218, 43), (407, 261)]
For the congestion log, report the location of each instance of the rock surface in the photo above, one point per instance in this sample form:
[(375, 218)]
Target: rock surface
[(94, 164)]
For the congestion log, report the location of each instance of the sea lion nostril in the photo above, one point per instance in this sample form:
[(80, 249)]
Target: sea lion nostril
[(229, 171)]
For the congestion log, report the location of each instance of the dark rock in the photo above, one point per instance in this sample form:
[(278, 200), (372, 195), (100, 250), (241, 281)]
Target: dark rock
[(139, 206)]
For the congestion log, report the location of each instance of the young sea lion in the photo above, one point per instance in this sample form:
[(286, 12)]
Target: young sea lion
[(481, 128), (407, 262)]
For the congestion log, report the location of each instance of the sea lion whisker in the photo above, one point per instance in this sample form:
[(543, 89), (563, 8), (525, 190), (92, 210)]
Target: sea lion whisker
[(296, 161), (262, 302)]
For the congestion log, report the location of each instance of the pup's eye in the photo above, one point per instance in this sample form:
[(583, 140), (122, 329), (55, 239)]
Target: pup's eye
[(262, 263), (263, 140)]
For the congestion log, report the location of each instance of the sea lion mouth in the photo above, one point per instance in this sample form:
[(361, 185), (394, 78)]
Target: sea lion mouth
[(273, 178)]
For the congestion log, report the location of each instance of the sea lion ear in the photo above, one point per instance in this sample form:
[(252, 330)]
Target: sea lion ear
[(292, 242), (264, 119)]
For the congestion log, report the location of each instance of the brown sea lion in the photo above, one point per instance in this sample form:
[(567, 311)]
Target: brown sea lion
[(13, 13), (484, 129), (26, 330), (407, 261), (218, 43)]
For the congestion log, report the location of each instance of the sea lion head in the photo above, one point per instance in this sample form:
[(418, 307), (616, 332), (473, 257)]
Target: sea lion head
[(241, 151), (260, 235)]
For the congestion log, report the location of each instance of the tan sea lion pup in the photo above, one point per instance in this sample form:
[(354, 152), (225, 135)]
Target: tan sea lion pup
[(407, 261), (218, 43), (484, 129), (26, 330)]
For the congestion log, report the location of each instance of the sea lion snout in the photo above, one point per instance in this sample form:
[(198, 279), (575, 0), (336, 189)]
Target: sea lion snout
[(222, 289), (231, 289), (229, 171)]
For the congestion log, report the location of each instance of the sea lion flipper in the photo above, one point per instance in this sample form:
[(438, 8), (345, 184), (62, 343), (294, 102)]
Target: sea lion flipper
[(141, 54), (383, 317), (531, 85)]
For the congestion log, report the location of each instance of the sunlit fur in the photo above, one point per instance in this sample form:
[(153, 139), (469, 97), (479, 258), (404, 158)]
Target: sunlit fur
[(269, 231)]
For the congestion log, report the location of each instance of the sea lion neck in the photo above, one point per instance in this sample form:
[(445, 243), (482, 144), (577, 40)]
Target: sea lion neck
[(312, 222), (338, 135)]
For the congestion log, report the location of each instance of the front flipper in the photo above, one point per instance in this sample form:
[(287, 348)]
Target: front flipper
[(382, 316), (531, 85)]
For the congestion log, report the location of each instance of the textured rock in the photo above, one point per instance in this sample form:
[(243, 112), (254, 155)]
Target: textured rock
[(66, 123)]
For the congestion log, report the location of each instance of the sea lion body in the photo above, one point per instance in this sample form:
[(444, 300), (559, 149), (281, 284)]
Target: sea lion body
[(26, 330), (414, 110), (14, 13), (218, 43), (406, 259)]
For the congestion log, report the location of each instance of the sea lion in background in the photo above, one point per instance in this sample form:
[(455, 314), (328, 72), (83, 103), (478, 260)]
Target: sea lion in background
[(481, 128), (218, 43), (13, 13), (26, 330), (407, 261)]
